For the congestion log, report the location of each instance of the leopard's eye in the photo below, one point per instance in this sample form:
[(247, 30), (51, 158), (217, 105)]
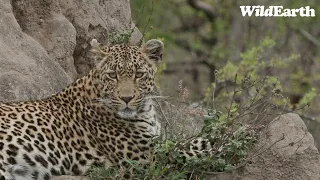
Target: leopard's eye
[(112, 75), (139, 74)]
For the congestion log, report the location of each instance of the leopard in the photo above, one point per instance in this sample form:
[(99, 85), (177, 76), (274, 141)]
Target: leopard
[(106, 117)]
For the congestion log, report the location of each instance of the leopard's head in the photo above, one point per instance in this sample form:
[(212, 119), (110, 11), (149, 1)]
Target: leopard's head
[(126, 75)]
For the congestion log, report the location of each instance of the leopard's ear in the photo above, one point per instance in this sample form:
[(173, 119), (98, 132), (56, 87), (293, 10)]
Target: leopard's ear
[(153, 49), (98, 50)]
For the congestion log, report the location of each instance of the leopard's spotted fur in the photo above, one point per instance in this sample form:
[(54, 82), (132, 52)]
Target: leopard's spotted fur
[(104, 117)]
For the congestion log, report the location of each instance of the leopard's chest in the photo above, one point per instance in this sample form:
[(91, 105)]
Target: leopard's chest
[(129, 139)]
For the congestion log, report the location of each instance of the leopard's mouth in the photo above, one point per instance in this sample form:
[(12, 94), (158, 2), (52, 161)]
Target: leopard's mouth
[(127, 113)]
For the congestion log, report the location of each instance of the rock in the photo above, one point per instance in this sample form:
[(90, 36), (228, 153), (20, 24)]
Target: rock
[(44, 21), (26, 70), (98, 19), (286, 151), (44, 44)]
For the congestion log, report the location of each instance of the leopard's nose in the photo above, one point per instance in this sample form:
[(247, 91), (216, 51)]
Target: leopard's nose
[(126, 99)]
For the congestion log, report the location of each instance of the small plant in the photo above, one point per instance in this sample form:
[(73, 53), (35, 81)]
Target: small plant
[(120, 37)]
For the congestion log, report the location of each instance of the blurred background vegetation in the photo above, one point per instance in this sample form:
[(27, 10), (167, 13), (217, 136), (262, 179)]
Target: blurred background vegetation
[(205, 36)]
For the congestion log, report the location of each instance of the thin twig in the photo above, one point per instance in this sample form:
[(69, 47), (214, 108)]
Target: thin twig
[(145, 27), (288, 110), (233, 96), (163, 114), (214, 87), (158, 97)]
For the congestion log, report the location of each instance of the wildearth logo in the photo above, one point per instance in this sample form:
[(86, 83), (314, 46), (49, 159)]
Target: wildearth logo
[(277, 11)]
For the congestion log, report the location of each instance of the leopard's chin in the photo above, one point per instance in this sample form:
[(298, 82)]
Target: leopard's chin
[(127, 113)]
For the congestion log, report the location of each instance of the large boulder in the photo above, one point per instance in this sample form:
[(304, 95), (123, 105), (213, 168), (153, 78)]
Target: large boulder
[(44, 21), (286, 151), (99, 19), (26, 70), (44, 44)]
